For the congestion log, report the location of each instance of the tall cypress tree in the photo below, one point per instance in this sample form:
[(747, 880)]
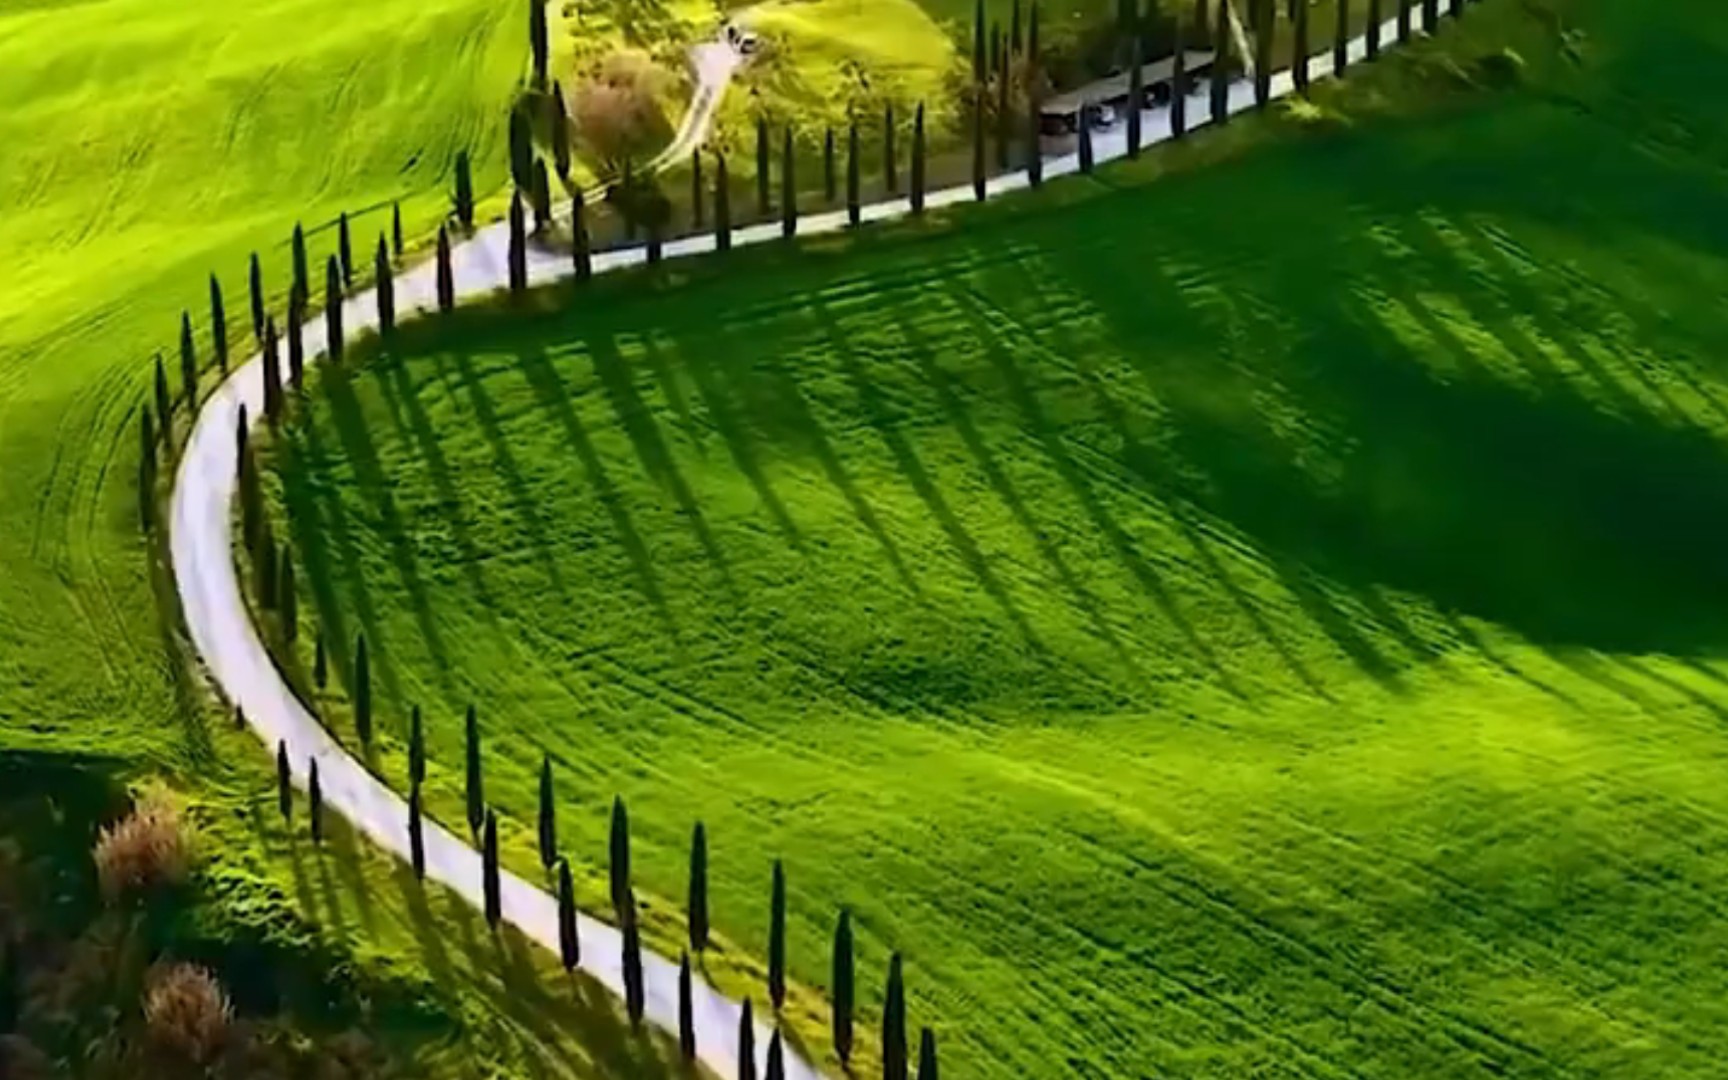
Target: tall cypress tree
[(927, 1039), (1456, 7), (1014, 39), (255, 280), (396, 229), (1032, 52), (620, 856), (272, 372), (889, 173), (1376, 16), (746, 1043), (686, 1012), (489, 882), (320, 663), (722, 206), (854, 210), (416, 834), (188, 362), (1136, 96), (521, 149), (464, 191), (996, 53), (164, 403), (776, 1059), (416, 747), (284, 781), (1403, 20), (1341, 40), (698, 897), (918, 161), (1035, 153), (218, 325), (569, 940), (1004, 116), (894, 1024), (1085, 138), (473, 788), (298, 246), (345, 250), (1265, 24), (264, 558), (1430, 15), (841, 988), (362, 693), (978, 151), (548, 816), (978, 68), (1221, 65), (315, 802), (698, 196), (1300, 72), (333, 337), (633, 990), (654, 244), (762, 201), (829, 182), (579, 239), (1179, 81), (539, 42), (445, 274), (560, 134), (518, 247), (777, 938), (296, 340), (788, 189), (386, 288), (287, 599), (540, 191)]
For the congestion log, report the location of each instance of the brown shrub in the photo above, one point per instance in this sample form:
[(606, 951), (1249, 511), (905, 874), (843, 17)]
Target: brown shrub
[(144, 851), (617, 108), (186, 1011)]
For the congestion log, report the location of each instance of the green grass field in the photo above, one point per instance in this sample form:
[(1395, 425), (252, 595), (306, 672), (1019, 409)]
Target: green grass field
[(1266, 622)]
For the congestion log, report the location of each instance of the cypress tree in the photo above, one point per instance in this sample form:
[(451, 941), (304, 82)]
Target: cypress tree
[(888, 171), (776, 1059), (396, 229), (345, 250), (978, 68), (1341, 40), (299, 248), (416, 747), (686, 1012), (560, 134), (579, 239), (540, 191), (1221, 65), (445, 274), (147, 479), (287, 600), (1004, 118), (1264, 25), (255, 279), (188, 361), (722, 207), (272, 372), (521, 149), (489, 883), (241, 446), (464, 191), (633, 996), (1179, 82), (218, 325), (1014, 30), (620, 852), (746, 1043), (362, 693), (1430, 15), (320, 663), (829, 182), (1136, 97), (841, 988), (927, 1039), (762, 204), (777, 938), (548, 818), (1456, 7), (476, 796), (386, 288), (995, 52), (697, 195), (538, 41), (978, 152), (1300, 73), (315, 802), (416, 834), (333, 310), (788, 189), (251, 513), (1032, 52), (918, 161), (284, 781), (853, 209), (164, 403), (1085, 139), (698, 902), (1376, 16), (264, 558), (518, 247), (147, 439), (296, 340), (653, 246), (1035, 152), (1200, 16), (894, 1024), (1403, 20), (569, 941)]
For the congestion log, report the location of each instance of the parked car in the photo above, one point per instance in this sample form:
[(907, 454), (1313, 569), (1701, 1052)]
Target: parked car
[(1101, 114), (745, 41)]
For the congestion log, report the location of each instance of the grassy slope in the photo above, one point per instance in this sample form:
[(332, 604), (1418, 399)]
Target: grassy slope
[(148, 143), (1265, 623)]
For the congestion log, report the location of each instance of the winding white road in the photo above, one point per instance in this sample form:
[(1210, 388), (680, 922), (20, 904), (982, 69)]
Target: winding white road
[(229, 644)]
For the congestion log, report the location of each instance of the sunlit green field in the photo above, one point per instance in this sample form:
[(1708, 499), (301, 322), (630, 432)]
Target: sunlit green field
[(1263, 623)]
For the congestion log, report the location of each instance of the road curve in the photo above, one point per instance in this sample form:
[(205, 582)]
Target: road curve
[(228, 643)]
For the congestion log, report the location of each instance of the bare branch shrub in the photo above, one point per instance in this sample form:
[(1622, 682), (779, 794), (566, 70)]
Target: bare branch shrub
[(186, 1011), (147, 850)]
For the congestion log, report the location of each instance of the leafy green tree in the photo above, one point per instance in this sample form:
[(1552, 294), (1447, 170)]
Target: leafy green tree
[(385, 287), (464, 191), (548, 815), (255, 279), (894, 1024), (633, 996), (1341, 39), (698, 900), (854, 210), (476, 794), (284, 781), (299, 250), (828, 179), (345, 250), (841, 988), (396, 229), (918, 161), (539, 42), (333, 338), (888, 171), (540, 192), (620, 852), (927, 1039), (489, 881), (218, 325), (686, 1012), (579, 239), (698, 196), (164, 403), (416, 834), (521, 148), (296, 340), (722, 207), (1136, 95), (188, 361), (776, 1059), (560, 134), (1299, 73), (272, 372), (287, 599), (762, 202), (788, 189), (777, 938), (320, 663), (362, 693), (315, 802), (746, 1043), (446, 276), (569, 939), (518, 247)]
